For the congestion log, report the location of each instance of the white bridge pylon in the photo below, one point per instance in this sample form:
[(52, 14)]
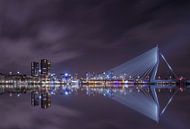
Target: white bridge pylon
[(140, 67)]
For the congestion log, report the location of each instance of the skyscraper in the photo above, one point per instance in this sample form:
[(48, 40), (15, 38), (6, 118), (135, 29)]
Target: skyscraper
[(34, 69), (45, 66)]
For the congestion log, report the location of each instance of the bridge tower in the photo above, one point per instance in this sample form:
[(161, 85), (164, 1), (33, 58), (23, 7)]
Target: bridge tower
[(155, 69)]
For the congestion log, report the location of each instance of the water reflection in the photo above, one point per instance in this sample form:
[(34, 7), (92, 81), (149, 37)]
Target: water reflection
[(137, 97), (41, 95), (43, 99)]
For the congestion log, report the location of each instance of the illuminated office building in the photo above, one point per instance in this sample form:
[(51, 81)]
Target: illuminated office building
[(34, 69), (45, 67)]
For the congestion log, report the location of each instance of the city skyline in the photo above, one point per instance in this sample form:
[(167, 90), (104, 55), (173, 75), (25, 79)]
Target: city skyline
[(43, 67), (94, 64), (92, 36)]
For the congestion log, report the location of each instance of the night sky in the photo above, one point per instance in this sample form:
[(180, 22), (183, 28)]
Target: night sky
[(92, 35)]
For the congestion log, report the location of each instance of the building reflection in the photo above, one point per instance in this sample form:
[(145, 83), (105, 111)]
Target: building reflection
[(35, 99), (45, 100), (41, 96)]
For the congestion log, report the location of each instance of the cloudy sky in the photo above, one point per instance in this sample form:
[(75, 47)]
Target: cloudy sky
[(92, 35)]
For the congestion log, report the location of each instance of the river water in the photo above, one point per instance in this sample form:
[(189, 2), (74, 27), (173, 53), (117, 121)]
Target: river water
[(91, 108)]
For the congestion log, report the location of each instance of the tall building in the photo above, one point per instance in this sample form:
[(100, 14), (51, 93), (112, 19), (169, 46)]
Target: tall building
[(34, 69), (45, 66)]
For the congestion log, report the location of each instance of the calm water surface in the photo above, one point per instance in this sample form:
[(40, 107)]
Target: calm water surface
[(87, 108)]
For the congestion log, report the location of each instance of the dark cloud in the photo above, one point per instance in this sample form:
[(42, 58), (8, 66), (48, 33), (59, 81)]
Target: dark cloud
[(80, 36)]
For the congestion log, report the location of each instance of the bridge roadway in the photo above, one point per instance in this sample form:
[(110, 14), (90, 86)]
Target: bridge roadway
[(134, 82)]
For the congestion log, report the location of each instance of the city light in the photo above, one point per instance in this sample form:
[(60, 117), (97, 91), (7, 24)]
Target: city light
[(134, 77)]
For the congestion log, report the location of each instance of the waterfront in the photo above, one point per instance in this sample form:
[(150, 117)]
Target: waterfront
[(94, 110), (94, 64)]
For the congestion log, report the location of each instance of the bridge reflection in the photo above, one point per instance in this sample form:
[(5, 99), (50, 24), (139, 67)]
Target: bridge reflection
[(137, 97)]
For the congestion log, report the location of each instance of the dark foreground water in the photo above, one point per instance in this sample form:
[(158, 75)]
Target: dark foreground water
[(81, 111)]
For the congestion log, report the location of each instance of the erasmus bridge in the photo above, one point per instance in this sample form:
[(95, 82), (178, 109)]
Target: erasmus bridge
[(143, 68), (144, 102), (146, 64)]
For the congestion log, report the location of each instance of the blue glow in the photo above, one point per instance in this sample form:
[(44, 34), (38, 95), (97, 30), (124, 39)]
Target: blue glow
[(52, 92), (40, 97), (66, 93), (66, 74)]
